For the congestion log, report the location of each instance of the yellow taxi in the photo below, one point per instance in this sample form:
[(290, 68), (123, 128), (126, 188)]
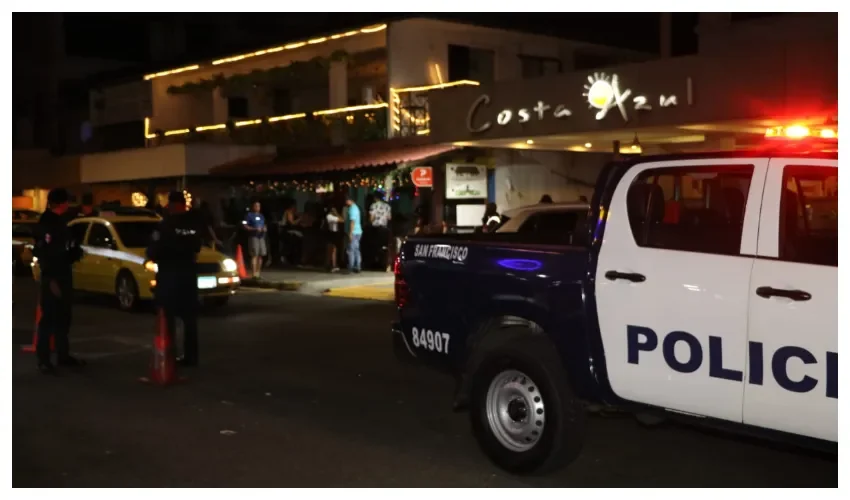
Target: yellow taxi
[(114, 261), (22, 242)]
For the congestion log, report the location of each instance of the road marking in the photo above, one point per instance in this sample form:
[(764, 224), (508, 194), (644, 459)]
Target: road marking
[(250, 290)]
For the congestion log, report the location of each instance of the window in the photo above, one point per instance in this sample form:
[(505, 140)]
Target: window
[(466, 63), (237, 107), (534, 67), (809, 208), (135, 234), (698, 209), (550, 227), (78, 231), (100, 236)]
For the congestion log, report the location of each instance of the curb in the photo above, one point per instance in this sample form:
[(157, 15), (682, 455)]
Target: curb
[(289, 286)]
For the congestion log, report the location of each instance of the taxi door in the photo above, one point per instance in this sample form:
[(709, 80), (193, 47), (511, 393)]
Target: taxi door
[(81, 271), (793, 333), (671, 288), (104, 258)]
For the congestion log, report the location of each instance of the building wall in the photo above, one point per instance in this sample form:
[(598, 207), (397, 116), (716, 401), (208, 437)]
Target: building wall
[(176, 160), (522, 177), (417, 45), (181, 111), (719, 35)]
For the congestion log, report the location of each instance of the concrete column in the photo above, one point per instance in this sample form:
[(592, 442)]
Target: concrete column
[(219, 106), (338, 84)]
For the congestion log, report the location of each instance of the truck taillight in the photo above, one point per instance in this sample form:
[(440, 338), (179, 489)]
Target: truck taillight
[(401, 291)]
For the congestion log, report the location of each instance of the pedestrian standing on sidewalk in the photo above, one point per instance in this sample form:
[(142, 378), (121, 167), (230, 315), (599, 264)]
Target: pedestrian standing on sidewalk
[(334, 237), (255, 224), (380, 215), (354, 231), (57, 251)]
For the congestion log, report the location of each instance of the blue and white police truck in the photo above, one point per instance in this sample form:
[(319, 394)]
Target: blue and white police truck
[(702, 286)]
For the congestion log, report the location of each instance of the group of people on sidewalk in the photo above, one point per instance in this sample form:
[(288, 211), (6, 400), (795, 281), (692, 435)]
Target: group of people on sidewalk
[(337, 234)]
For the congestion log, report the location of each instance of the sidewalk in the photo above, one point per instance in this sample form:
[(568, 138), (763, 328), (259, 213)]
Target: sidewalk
[(375, 285)]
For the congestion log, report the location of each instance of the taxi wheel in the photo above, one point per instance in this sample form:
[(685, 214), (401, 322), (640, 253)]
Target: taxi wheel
[(126, 291)]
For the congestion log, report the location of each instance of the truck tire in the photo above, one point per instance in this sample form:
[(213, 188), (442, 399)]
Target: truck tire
[(524, 413)]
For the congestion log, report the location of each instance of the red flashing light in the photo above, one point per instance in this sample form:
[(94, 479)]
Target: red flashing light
[(800, 131), (401, 290)]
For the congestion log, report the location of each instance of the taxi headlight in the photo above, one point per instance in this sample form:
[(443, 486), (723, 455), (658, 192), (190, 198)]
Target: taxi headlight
[(228, 265), (151, 266)]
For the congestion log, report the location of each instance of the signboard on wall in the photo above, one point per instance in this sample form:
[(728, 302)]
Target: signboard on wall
[(422, 177), (466, 181)]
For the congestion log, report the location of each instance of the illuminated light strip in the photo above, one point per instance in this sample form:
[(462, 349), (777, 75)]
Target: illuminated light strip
[(314, 41), (349, 108), (178, 132), (437, 86), (423, 132), (204, 128), (172, 71), (148, 134), (287, 117), (258, 121), (374, 29)]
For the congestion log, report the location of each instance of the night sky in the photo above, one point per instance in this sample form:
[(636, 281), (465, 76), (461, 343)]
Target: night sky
[(125, 36)]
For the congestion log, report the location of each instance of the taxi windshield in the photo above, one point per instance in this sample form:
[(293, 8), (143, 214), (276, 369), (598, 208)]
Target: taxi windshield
[(135, 234)]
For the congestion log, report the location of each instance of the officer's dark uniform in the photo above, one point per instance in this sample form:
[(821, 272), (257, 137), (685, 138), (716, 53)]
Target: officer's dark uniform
[(56, 251), (174, 248)]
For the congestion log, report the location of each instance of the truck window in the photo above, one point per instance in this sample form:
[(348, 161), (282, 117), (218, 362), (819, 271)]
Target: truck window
[(550, 227), (809, 228), (698, 209)]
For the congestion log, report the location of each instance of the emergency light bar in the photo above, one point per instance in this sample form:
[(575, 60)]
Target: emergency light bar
[(799, 131)]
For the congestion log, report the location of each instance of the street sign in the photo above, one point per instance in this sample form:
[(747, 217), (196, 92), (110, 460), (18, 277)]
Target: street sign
[(422, 177)]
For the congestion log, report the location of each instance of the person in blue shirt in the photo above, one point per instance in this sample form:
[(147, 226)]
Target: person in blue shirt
[(255, 224), (353, 231)]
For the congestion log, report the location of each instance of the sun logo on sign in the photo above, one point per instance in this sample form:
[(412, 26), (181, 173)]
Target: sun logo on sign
[(603, 93)]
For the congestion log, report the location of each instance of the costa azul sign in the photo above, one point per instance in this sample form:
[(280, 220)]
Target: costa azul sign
[(602, 93)]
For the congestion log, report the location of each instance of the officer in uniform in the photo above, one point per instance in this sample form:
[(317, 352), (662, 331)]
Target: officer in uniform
[(56, 251), (174, 248)]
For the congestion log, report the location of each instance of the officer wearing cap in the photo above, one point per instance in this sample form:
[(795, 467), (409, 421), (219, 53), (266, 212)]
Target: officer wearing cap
[(174, 248), (56, 251)]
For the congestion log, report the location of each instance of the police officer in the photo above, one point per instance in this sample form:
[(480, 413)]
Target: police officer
[(56, 251), (174, 248)]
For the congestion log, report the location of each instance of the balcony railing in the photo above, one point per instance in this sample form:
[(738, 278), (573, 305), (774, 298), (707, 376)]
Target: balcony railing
[(351, 124), (410, 112)]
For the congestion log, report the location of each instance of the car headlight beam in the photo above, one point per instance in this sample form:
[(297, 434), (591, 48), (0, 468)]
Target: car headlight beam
[(229, 265)]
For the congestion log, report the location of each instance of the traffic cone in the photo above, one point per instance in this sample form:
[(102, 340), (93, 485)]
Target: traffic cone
[(240, 263), (163, 370), (32, 348)]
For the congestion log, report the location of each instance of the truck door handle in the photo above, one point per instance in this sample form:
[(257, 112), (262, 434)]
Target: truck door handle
[(617, 275), (768, 292)]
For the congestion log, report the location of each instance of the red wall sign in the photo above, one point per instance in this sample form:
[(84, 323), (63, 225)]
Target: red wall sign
[(422, 177)]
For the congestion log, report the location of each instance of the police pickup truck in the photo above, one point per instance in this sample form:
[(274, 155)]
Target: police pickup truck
[(702, 286)]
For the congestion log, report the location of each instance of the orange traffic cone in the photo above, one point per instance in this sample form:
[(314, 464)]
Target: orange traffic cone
[(32, 348), (163, 363), (240, 263)]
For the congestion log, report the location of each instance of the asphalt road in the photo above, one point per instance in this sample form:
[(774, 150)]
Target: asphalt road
[(303, 391)]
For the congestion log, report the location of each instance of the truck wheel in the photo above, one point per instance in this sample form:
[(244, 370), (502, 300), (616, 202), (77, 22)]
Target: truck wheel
[(524, 413)]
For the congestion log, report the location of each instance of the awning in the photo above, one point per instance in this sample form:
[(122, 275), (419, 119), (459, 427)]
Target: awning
[(378, 154)]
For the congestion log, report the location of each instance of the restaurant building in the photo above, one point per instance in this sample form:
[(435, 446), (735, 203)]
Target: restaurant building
[(552, 135)]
